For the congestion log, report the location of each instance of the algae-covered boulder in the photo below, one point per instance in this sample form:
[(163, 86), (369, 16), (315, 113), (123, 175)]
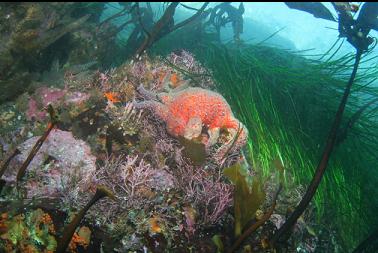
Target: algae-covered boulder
[(63, 168)]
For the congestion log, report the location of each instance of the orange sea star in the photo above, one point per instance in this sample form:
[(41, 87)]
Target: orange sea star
[(188, 111)]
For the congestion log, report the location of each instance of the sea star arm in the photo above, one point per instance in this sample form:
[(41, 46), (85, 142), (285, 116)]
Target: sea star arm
[(176, 125), (149, 95), (181, 87), (193, 128), (158, 108), (213, 136)]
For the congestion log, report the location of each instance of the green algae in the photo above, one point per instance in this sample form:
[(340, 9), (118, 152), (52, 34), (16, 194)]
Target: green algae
[(288, 103), (33, 229)]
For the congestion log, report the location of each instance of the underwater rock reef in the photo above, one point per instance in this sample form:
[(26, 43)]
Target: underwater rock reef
[(68, 162), (170, 191), (139, 127)]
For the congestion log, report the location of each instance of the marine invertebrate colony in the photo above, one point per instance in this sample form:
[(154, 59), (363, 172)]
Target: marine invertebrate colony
[(189, 111)]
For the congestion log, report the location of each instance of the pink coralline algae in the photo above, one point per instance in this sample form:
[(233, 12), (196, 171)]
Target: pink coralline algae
[(128, 176), (186, 61), (50, 95), (64, 167), (33, 111), (134, 182), (189, 111), (44, 96), (183, 58), (209, 195)]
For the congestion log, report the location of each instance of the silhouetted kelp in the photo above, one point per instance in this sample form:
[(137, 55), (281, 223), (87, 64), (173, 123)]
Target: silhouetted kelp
[(233, 16), (165, 25), (357, 35), (316, 9)]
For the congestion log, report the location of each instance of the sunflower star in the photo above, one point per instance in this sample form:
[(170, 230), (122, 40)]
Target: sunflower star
[(188, 111)]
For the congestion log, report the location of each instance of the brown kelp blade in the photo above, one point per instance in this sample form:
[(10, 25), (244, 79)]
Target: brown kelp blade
[(248, 195), (318, 10), (195, 151), (368, 17), (257, 224)]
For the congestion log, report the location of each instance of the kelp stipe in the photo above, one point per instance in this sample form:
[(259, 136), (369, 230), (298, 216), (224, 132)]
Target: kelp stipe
[(69, 231), (163, 26), (361, 42), (53, 121)]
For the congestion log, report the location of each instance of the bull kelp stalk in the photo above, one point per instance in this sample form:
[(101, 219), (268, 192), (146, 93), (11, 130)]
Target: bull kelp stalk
[(69, 230), (38, 144), (283, 232)]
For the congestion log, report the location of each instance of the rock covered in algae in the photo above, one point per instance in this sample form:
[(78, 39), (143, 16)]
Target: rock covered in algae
[(32, 231), (163, 196), (63, 167), (44, 96)]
